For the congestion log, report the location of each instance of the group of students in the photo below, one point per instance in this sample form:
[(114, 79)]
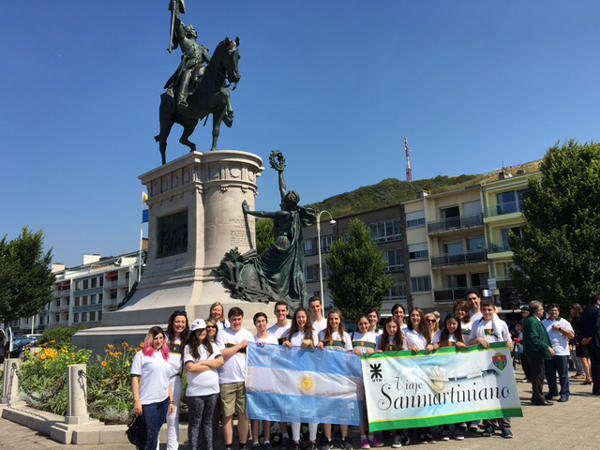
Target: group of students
[(216, 367)]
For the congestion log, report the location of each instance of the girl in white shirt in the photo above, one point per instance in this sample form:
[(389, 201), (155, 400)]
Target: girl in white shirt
[(334, 337), (398, 313), (391, 339), (463, 314), (301, 334), (262, 337), (178, 332), (152, 395), (202, 359)]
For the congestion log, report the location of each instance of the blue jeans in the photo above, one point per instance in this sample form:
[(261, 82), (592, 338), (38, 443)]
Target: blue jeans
[(558, 364), (153, 415)]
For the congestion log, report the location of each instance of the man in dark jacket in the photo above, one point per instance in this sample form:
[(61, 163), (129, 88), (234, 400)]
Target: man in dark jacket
[(590, 331), (536, 345)]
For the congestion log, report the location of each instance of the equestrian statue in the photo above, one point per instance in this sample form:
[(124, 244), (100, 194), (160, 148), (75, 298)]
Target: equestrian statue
[(199, 86)]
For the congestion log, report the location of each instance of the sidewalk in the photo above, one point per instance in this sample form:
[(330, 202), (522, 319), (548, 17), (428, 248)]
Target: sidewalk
[(570, 425)]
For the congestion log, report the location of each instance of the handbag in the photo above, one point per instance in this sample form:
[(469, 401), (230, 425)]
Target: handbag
[(135, 431)]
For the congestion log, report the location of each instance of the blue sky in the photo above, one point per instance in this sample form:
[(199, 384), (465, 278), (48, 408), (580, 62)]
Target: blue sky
[(335, 85)]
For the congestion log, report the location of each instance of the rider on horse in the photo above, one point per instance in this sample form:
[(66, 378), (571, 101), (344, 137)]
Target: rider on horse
[(192, 66)]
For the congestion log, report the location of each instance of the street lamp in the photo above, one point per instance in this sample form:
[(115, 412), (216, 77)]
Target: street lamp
[(331, 222)]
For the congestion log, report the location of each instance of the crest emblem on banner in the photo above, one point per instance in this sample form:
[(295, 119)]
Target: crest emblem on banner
[(376, 374), (499, 360)]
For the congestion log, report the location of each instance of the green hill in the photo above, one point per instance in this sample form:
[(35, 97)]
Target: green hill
[(392, 191)]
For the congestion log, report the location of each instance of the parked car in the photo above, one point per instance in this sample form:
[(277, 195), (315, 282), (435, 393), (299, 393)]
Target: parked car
[(19, 344)]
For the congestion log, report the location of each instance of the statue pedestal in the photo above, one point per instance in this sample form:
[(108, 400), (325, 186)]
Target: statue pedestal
[(195, 216)]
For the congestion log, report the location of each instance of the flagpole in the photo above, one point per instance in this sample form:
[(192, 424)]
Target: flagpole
[(144, 198)]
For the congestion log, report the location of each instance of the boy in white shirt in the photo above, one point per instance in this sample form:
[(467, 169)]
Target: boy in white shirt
[(490, 329), (233, 342), (316, 314), (560, 332)]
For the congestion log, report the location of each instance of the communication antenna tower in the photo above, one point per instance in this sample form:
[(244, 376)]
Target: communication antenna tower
[(408, 166)]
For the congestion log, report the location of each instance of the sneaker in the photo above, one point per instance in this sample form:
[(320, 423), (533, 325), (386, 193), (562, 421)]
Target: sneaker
[(327, 445), (346, 443), (397, 442), (548, 396), (459, 436), (228, 447), (421, 438), (446, 435), (295, 446), (255, 446), (375, 442), (429, 438), (488, 431), (506, 433), (473, 427), (563, 399), (285, 443), (245, 447), (268, 446), (365, 443)]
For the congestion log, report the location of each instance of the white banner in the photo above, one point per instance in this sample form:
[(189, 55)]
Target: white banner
[(451, 385)]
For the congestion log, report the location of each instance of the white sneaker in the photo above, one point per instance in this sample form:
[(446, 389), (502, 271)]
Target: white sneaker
[(397, 441)]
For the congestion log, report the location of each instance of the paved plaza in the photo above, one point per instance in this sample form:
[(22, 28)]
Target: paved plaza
[(570, 425)]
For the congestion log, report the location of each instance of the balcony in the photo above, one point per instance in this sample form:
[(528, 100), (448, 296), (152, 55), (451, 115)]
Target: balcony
[(455, 223), (498, 247), (503, 208), (454, 294), (459, 259)]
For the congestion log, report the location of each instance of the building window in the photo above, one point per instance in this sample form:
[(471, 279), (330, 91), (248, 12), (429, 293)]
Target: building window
[(93, 299), (99, 316), (476, 244), (101, 281), (511, 201), (113, 294), (78, 285), (92, 316), (420, 284), (397, 292), (310, 273), (389, 230), (85, 284), (57, 303), (84, 300), (99, 298), (75, 317), (479, 279), (326, 243), (418, 251), (394, 259), (84, 317), (76, 301), (66, 317), (57, 317), (94, 282), (415, 219), (308, 247)]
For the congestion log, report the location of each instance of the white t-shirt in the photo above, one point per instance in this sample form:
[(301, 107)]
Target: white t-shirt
[(364, 341), (278, 332), (437, 337), (415, 338), (476, 316), (337, 341), (205, 383), (320, 325), (222, 325), (175, 353), (494, 330), (466, 330), (559, 342), (270, 339), (298, 338), (379, 339), (154, 373), (234, 369)]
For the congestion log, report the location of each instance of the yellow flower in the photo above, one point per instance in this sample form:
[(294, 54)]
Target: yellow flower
[(125, 344), (112, 347), (142, 345), (64, 350), (53, 341), (42, 356), (103, 363)]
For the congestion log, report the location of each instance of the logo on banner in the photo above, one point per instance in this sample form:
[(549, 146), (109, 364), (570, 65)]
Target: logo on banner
[(499, 360), (376, 374)]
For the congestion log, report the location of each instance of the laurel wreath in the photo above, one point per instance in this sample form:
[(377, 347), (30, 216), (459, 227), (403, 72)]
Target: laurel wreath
[(277, 160)]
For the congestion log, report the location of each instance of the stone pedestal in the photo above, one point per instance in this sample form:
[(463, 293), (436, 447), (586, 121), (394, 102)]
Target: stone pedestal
[(195, 216)]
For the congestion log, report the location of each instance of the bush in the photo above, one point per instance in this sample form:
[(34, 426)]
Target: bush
[(59, 336)]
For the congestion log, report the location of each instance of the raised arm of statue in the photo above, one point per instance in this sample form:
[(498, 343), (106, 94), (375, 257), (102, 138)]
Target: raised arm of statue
[(263, 214), (282, 186)]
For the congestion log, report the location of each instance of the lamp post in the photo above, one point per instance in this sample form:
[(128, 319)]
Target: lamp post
[(331, 222)]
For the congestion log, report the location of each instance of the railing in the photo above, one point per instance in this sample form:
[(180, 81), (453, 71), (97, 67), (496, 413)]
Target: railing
[(503, 208), (455, 223), (499, 247), (453, 294), (456, 259)]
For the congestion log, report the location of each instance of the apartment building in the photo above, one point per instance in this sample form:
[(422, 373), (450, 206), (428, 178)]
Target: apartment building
[(385, 226)]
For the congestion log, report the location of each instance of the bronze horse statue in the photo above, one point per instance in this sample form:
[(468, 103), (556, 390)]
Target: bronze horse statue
[(211, 96)]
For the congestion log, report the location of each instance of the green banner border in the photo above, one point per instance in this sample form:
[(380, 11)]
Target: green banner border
[(446, 419), (440, 351)]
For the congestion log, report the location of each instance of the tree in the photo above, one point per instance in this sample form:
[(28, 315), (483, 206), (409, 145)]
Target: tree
[(264, 235), (558, 258), (357, 278), (25, 276)]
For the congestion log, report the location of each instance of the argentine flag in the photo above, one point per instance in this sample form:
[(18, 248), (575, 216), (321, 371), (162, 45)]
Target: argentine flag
[(304, 385)]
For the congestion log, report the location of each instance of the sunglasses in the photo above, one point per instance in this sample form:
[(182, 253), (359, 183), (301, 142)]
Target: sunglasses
[(431, 320), (211, 326), (179, 313)]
